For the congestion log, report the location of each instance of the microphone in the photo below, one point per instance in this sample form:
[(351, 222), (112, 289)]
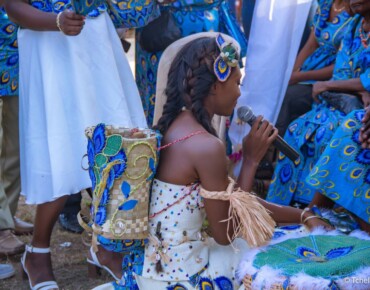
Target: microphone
[(245, 114)]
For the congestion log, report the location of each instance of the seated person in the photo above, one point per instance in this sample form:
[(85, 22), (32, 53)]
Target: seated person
[(192, 179), (310, 133), (315, 61), (342, 174)]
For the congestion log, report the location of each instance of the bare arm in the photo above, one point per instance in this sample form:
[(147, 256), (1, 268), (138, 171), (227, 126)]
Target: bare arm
[(349, 86), (309, 47), (211, 166), (255, 146), (318, 75), (29, 17)]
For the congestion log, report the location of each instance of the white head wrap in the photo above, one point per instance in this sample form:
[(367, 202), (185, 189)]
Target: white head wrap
[(164, 66)]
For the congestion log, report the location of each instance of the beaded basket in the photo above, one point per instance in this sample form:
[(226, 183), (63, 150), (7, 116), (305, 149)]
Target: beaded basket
[(122, 164), (317, 260)]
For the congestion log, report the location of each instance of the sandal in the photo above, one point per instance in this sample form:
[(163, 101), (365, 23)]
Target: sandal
[(95, 266), (47, 285)]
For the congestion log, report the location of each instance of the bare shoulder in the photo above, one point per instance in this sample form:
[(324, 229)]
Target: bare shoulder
[(210, 163), (207, 145)]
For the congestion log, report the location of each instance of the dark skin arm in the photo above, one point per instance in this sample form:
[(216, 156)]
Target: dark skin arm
[(29, 17), (349, 86), (212, 170), (309, 47), (321, 74), (318, 75)]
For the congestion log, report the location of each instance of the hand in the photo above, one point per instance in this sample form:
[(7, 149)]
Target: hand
[(295, 78), (259, 139), (365, 130), (315, 222), (317, 89), (71, 23), (365, 96)]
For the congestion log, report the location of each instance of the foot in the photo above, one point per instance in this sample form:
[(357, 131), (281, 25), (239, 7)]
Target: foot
[(10, 244), (6, 271), (22, 227), (109, 259), (69, 222), (39, 268)]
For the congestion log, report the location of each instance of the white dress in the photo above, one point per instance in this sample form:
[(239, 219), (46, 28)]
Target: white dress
[(190, 259), (68, 83)]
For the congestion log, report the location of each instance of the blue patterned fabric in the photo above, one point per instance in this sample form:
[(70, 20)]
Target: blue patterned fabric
[(133, 13), (9, 67), (57, 6), (311, 133), (328, 34), (191, 16), (343, 171), (133, 260)]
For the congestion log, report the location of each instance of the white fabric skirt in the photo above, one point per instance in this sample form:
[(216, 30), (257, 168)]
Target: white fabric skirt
[(68, 83)]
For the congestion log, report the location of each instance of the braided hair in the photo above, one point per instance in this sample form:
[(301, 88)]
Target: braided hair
[(190, 80)]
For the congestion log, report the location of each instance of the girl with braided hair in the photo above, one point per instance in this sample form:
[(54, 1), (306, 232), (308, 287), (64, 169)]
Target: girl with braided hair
[(192, 180)]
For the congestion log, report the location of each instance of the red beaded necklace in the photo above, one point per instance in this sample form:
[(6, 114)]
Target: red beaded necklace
[(364, 40)]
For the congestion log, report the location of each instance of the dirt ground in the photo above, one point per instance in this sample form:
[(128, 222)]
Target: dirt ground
[(69, 262)]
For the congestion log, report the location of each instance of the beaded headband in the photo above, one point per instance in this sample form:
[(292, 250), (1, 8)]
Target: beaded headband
[(227, 59)]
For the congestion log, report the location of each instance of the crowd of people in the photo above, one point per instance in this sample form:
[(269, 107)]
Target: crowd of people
[(63, 72)]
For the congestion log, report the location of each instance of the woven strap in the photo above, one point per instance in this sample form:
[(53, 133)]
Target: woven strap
[(248, 217)]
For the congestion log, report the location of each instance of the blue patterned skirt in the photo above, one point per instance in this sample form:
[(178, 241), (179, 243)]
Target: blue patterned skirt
[(343, 173), (309, 135)]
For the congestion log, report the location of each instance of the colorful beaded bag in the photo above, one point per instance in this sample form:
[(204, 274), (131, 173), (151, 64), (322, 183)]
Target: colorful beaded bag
[(122, 164)]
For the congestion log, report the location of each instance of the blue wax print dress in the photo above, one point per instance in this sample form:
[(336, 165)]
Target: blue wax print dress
[(191, 16), (8, 56), (68, 83), (343, 171), (312, 132), (328, 34)]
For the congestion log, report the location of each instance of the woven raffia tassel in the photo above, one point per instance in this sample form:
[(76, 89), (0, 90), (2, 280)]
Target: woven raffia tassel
[(249, 218)]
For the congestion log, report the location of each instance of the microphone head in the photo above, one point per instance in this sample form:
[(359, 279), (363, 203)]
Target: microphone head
[(245, 114)]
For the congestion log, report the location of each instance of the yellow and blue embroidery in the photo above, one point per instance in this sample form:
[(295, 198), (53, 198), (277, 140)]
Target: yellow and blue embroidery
[(9, 72)]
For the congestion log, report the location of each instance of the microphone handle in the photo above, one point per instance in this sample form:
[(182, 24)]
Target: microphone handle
[(280, 144), (285, 148)]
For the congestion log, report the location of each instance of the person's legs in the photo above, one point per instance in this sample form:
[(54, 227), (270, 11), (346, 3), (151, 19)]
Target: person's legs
[(10, 163), (9, 160), (297, 101), (9, 243), (38, 265), (68, 217), (6, 220)]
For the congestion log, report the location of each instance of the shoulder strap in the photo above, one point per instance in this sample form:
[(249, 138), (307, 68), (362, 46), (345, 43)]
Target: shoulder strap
[(182, 139)]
